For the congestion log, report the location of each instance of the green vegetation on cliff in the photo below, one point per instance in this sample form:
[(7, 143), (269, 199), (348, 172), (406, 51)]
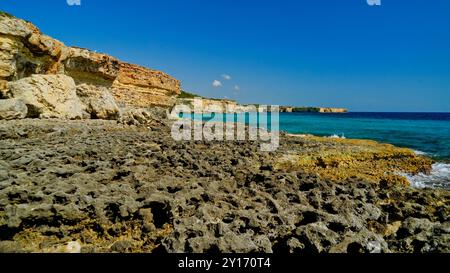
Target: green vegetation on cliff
[(187, 95), (4, 13)]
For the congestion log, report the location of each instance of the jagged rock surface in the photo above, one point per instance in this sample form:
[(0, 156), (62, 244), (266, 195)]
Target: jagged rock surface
[(99, 186)]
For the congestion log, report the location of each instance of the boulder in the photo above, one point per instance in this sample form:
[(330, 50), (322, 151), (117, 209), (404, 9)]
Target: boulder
[(152, 117), (48, 96), (99, 102), (12, 109)]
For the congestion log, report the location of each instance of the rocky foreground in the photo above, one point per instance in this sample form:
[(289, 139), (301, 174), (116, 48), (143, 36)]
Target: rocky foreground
[(104, 186)]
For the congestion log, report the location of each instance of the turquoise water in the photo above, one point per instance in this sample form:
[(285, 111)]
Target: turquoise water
[(426, 133)]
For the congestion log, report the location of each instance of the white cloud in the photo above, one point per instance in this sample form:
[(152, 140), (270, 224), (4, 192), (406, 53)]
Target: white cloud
[(226, 77), (74, 2), (237, 88), (216, 84)]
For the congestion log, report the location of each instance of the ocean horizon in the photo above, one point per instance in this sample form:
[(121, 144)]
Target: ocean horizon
[(424, 132)]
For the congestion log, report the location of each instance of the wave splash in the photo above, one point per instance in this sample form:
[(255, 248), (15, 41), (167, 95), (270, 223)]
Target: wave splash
[(417, 152), (338, 136), (438, 178)]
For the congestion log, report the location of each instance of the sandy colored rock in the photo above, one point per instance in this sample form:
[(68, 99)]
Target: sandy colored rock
[(291, 109), (12, 109), (48, 96), (142, 87), (12, 26), (3, 88), (99, 102), (332, 110), (86, 66), (25, 51), (212, 105)]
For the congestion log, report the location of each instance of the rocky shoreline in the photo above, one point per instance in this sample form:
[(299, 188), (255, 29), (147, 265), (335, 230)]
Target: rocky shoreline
[(102, 186), (88, 164)]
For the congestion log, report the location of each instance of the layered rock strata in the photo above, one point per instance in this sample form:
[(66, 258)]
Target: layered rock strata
[(49, 76)]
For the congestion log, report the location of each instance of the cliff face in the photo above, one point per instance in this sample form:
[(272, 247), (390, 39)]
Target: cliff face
[(212, 105), (26, 52), (289, 109), (141, 86), (333, 110)]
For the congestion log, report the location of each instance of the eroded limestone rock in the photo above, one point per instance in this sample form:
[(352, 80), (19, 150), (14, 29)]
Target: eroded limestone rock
[(117, 188), (12, 109), (140, 87), (99, 102), (48, 96), (25, 51)]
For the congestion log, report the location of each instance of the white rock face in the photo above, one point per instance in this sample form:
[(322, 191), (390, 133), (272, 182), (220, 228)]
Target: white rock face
[(48, 96), (12, 109)]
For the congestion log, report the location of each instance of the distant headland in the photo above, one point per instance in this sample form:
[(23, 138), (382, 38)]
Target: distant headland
[(232, 105), (288, 109)]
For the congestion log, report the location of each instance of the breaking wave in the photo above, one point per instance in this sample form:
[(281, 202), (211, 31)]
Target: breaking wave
[(438, 178)]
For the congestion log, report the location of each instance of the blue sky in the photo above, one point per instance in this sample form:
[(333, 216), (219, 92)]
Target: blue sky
[(393, 57)]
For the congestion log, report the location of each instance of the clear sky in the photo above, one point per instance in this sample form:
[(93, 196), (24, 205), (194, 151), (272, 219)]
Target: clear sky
[(393, 57)]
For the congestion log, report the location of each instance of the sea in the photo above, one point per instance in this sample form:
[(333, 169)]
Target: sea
[(427, 134)]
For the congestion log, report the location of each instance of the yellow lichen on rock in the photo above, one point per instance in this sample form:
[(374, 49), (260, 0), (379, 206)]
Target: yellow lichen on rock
[(342, 159)]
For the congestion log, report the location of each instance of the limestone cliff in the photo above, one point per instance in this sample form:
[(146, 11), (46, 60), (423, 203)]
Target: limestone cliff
[(212, 105), (332, 110), (28, 57), (290, 109), (141, 86)]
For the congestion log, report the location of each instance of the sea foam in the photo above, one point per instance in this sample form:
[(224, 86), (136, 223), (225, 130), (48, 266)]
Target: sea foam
[(337, 136), (439, 177), (417, 152)]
